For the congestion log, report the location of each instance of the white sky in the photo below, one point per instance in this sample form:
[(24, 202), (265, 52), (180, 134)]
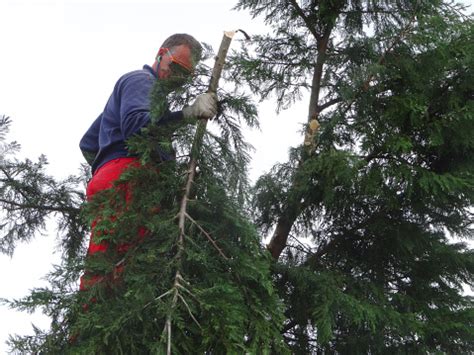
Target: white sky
[(59, 61)]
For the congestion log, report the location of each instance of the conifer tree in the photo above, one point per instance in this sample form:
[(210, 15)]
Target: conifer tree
[(199, 281), (380, 185), (383, 179), (29, 197)]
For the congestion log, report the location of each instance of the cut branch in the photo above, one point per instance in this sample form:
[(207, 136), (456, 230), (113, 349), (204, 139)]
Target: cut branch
[(183, 214)]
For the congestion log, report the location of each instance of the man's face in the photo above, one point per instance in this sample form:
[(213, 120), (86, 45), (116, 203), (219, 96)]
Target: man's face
[(176, 64)]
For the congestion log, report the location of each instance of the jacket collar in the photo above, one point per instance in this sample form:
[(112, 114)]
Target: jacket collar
[(150, 69)]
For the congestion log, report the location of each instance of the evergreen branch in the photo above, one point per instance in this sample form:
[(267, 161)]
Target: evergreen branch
[(157, 298), (161, 296), (377, 11), (366, 84), (306, 20), (213, 242), (23, 206), (11, 180), (293, 208), (289, 326), (186, 290), (320, 252), (189, 310), (263, 60), (303, 248), (182, 214), (377, 155), (329, 103), (457, 10)]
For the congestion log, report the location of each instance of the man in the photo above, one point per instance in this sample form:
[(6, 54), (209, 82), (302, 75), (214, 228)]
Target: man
[(128, 110)]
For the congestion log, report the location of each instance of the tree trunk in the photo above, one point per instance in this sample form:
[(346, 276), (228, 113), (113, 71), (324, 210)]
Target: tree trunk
[(291, 212)]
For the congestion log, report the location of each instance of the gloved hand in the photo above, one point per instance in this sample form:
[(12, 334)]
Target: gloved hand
[(205, 106)]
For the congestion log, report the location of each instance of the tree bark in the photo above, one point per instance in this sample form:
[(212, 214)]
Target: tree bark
[(291, 212)]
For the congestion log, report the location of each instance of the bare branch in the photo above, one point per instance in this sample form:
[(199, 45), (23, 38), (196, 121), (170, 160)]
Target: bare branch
[(329, 103), (189, 310), (213, 242)]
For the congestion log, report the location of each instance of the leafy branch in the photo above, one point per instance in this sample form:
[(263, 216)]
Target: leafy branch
[(183, 214), (294, 206)]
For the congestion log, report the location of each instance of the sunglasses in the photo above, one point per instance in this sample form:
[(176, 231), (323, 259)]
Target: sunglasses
[(179, 65)]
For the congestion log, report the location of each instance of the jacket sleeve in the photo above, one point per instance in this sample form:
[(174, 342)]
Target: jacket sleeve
[(135, 105)]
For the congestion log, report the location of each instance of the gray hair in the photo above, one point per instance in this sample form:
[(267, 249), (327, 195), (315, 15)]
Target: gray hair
[(188, 40)]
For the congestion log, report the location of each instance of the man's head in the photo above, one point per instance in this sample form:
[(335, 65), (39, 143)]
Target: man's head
[(177, 57)]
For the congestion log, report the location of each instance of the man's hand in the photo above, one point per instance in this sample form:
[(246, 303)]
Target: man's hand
[(205, 106)]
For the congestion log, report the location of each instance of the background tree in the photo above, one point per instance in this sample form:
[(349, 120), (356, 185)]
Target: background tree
[(28, 197), (383, 186)]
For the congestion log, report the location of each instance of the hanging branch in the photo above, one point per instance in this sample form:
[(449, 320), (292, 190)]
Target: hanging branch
[(183, 210)]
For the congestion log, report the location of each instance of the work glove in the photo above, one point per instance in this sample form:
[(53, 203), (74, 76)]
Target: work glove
[(205, 106)]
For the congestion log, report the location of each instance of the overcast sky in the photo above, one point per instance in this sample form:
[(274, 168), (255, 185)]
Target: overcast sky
[(59, 61)]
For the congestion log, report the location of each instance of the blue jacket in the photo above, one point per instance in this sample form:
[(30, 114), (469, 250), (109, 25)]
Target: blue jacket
[(126, 112)]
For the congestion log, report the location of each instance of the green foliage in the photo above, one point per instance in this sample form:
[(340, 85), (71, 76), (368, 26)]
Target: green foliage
[(29, 197), (209, 290), (377, 208), (226, 301), (370, 265)]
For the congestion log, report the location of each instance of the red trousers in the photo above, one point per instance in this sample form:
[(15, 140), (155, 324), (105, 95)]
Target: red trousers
[(104, 179)]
